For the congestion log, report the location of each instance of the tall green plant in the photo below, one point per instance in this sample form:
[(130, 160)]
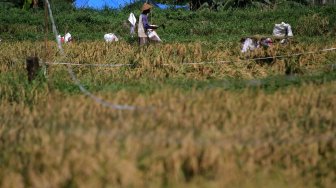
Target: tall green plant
[(27, 4)]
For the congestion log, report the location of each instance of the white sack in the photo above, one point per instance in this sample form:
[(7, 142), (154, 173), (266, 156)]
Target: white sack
[(67, 37), (132, 19), (282, 30), (152, 35), (248, 45), (289, 30), (110, 37)]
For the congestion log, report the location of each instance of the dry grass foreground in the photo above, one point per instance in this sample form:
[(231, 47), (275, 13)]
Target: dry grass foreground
[(212, 138), (207, 138)]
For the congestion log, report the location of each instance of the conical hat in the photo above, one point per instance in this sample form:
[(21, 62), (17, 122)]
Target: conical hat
[(146, 6)]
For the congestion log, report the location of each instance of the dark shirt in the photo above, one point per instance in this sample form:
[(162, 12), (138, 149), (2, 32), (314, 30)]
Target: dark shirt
[(145, 22)]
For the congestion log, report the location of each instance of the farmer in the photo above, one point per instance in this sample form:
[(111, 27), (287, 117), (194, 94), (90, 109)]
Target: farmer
[(145, 30)]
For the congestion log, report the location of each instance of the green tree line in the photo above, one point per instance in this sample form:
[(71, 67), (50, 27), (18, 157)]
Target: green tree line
[(194, 4), (27, 4)]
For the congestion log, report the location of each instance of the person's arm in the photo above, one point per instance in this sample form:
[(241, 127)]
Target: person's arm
[(146, 24)]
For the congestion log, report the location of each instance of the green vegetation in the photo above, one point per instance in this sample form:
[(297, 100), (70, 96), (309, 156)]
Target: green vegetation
[(229, 123), (149, 86), (309, 24)]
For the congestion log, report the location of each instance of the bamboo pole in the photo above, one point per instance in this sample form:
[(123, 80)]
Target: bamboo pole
[(35, 4), (45, 36)]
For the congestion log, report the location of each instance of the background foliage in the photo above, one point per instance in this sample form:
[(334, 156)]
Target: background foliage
[(180, 25)]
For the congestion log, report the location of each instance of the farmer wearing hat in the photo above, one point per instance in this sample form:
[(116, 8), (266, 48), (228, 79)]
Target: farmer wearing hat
[(144, 26)]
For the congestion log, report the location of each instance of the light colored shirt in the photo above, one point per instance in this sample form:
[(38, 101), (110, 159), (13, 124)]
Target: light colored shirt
[(141, 29)]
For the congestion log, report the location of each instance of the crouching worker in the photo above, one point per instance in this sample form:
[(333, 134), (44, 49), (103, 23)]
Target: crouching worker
[(146, 31)]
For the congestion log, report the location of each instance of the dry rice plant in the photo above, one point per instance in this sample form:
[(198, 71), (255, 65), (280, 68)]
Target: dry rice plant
[(218, 138), (166, 60), (208, 138)]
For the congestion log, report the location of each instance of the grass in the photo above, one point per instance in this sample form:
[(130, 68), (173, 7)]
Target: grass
[(181, 26), (193, 136), (194, 123), (160, 66), (234, 124), (147, 86)]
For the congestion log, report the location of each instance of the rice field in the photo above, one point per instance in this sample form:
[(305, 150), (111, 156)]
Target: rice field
[(51, 135)]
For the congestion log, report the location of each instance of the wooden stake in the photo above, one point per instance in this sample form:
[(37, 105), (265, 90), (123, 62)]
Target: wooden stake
[(32, 67)]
